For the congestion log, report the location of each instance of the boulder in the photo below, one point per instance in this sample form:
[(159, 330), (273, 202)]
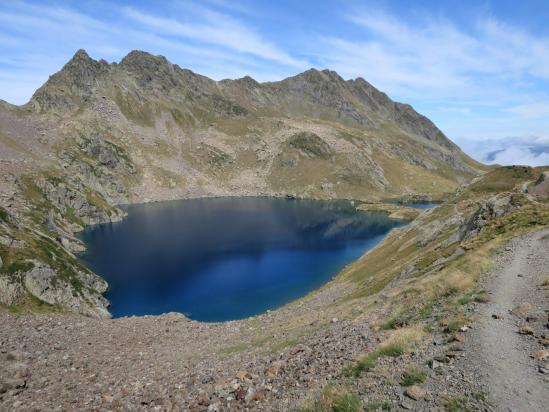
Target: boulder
[(416, 392)]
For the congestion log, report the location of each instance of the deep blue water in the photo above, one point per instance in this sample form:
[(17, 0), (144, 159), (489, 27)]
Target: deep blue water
[(226, 258)]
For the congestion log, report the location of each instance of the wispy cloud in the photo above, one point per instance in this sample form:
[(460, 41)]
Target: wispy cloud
[(436, 59), (217, 29), (531, 110)]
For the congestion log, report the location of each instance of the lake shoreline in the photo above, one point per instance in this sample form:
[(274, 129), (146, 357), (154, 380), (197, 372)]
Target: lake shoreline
[(321, 215)]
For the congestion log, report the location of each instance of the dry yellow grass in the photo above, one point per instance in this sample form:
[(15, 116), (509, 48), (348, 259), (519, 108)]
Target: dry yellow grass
[(408, 337)]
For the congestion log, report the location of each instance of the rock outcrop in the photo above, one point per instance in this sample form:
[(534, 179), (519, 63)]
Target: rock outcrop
[(495, 207), (46, 285)]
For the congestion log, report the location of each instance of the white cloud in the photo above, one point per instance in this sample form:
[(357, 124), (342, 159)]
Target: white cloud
[(520, 155), (531, 150), (531, 110), (218, 29), (434, 59)]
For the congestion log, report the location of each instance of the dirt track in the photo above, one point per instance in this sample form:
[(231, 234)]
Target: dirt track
[(512, 327)]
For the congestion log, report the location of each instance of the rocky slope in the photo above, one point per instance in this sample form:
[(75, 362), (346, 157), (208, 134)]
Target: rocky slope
[(397, 330), (97, 135)]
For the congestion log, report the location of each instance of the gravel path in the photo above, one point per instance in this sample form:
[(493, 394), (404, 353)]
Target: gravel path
[(513, 326)]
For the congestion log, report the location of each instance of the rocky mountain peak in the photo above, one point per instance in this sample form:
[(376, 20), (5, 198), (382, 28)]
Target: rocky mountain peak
[(73, 85), (247, 80), (332, 75), (81, 68), (137, 59), (81, 56), (147, 68), (318, 76)]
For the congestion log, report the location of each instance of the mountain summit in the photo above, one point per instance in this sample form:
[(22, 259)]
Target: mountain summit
[(242, 136), (313, 93)]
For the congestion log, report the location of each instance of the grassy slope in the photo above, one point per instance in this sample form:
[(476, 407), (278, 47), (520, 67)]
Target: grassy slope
[(417, 283)]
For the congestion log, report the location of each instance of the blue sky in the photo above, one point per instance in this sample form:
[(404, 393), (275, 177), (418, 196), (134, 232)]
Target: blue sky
[(479, 70)]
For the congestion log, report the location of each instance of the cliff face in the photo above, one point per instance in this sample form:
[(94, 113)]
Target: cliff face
[(97, 134)]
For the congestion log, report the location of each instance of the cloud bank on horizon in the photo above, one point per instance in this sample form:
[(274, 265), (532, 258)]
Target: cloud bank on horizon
[(480, 71)]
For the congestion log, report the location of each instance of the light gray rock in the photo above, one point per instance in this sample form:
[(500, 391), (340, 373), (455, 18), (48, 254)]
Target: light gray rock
[(45, 284), (11, 290)]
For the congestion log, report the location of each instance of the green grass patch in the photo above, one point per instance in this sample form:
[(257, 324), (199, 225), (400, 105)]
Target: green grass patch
[(369, 361), (71, 215), (411, 314), (235, 349), (379, 406), (140, 112), (394, 322), (30, 190), (18, 267), (31, 304), (473, 296), (363, 365), (335, 399), (413, 377), (4, 216), (503, 179), (393, 350), (458, 405)]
